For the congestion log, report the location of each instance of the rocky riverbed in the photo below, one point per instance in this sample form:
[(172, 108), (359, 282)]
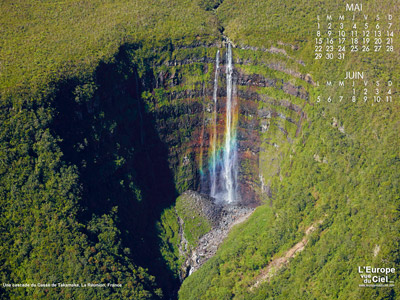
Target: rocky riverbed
[(222, 216)]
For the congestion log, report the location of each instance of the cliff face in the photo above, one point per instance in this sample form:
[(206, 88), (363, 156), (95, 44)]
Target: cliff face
[(270, 98)]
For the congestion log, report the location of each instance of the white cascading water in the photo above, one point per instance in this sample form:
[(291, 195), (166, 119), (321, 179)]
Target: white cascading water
[(229, 157), (223, 160), (213, 171)]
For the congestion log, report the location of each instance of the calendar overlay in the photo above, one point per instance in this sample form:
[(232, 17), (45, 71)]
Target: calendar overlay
[(354, 33)]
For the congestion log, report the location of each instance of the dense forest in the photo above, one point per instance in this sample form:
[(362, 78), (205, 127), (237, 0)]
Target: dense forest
[(105, 124)]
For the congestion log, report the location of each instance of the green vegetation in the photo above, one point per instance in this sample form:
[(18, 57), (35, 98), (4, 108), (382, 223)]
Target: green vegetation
[(43, 240), (44, 40), (169, 233), (194, 220)]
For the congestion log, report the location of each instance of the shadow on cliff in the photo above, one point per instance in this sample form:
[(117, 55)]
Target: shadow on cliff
[(107, 133)]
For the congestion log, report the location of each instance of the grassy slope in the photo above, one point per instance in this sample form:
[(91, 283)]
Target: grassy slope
[(355, 193)]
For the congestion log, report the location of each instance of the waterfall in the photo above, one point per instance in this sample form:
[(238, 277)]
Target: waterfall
[(213, 171), (223, 155), (229, 158)]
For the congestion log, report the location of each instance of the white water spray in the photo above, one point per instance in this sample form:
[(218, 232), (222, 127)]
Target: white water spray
[(213, 171)]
